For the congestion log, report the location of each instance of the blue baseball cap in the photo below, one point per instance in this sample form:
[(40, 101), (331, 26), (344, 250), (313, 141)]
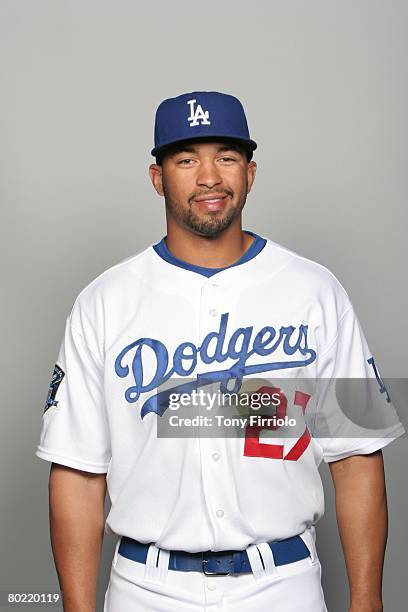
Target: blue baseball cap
[(200, 114)]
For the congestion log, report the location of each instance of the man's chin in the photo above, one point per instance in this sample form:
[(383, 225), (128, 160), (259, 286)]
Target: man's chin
[(209, 230), (209, 224)]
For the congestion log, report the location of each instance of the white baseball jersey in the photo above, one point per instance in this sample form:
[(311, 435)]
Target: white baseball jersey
[(152, 319)]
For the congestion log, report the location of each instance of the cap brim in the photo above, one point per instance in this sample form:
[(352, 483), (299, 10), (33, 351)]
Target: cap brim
[(247, 144)]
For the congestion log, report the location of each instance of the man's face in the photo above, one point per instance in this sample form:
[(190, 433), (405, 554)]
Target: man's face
[(205, 184)]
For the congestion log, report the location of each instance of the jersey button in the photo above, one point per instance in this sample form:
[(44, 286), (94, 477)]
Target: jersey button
[(216, 456), (213, 312), (220, 513), (211, 585)]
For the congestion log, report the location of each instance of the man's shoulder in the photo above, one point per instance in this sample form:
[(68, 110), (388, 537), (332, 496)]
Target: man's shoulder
[(304, 274), (121, 275), (295, 262)]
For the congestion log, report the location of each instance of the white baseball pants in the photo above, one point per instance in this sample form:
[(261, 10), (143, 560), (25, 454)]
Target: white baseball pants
[(139, 587)]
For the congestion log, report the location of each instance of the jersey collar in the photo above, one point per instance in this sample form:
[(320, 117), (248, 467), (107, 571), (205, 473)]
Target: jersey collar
[(255, 248)]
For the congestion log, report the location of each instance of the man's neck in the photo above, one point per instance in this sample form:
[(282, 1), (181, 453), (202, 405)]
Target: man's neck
[(210, 252)]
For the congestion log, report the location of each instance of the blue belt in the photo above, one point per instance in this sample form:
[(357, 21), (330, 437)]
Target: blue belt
[(217, 563)]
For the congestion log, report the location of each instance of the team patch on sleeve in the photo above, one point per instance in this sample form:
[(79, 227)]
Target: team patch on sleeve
[(56, 379)]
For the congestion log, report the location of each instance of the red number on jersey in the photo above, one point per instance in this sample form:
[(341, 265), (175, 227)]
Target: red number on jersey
[(254, 448)]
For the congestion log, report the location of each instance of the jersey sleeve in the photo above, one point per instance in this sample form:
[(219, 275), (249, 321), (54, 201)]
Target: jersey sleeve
[(354, 414), (75, 428)]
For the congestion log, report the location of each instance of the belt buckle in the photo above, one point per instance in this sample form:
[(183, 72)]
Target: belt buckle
[(203, 566)]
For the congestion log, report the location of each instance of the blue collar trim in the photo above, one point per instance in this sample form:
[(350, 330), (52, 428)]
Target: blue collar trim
[(255, 248)]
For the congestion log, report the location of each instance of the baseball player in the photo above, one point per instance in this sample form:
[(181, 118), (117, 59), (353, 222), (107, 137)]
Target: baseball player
[(213, 522)]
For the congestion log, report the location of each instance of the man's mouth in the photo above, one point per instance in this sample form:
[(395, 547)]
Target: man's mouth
[(213, 201)]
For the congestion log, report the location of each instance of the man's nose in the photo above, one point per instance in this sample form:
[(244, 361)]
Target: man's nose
[(208, 174)]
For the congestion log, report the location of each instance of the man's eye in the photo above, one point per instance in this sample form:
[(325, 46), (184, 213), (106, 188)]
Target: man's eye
[(185, 161), (226, 158)]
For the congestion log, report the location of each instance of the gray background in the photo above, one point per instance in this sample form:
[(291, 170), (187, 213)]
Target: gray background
[(324, 84)]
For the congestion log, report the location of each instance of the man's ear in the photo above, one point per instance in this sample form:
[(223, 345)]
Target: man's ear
[(251, 171), (155, 172)]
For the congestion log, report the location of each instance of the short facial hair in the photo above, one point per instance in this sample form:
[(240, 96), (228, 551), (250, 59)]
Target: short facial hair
[(213, 224)]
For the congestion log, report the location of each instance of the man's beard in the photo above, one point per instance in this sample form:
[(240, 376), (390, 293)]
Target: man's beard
[(212, 225)]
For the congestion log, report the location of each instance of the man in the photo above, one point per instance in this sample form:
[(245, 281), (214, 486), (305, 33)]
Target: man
[(211, 522)]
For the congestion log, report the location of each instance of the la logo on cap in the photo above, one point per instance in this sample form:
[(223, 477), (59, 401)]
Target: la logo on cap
[(211, 114), (198, 116)]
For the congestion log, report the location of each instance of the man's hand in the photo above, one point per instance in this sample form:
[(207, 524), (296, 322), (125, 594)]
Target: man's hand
[(77, 527), (361, 507), (364, 607)]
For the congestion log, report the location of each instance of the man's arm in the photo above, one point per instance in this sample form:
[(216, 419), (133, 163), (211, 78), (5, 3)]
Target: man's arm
[(77, 527), (361, 508)]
